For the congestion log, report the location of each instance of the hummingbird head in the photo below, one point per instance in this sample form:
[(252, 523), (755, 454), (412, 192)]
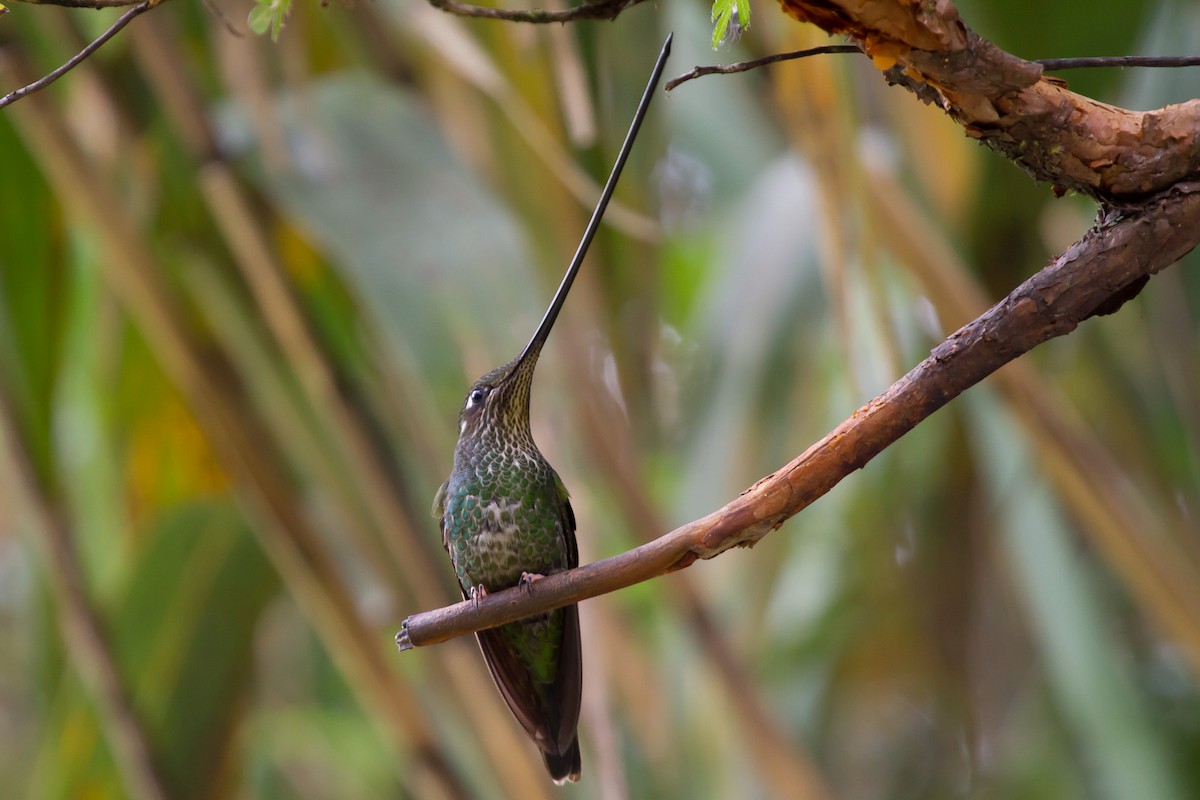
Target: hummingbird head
[(498, 403)]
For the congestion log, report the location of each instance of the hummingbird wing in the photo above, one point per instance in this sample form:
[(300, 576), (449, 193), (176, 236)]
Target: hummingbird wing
[(524, 697), (438, 511), (569, 682), (568, 523)]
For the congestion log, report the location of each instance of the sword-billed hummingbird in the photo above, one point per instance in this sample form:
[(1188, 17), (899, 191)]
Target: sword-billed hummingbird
[(506, 521)]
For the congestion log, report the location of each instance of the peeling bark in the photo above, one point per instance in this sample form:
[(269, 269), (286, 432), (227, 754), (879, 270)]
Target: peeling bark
[(1118, 156)]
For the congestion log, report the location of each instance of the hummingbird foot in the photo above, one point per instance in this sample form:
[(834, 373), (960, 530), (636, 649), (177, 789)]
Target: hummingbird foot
[(528, 579), (477, 594)]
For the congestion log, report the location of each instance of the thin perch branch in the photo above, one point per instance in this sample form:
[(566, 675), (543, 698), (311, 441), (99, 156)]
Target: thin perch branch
[(46, 80), (1091, 277), (601, 9)]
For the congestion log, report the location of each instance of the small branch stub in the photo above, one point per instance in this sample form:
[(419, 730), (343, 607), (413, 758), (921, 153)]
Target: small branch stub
[(402, 641)]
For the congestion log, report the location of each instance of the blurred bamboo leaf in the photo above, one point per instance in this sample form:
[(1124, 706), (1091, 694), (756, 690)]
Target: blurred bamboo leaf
[(30, 308), (762, 282), (1121, 743), (183, 633), (186, 629), (1171, 28), (371, 181)]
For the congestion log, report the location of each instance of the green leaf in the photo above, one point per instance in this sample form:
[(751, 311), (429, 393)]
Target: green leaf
[(277, 21), (260, 18), (722, 15), (269, 15)]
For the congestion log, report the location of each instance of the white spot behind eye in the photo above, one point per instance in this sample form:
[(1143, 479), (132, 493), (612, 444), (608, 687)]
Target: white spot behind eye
[(462, 427)]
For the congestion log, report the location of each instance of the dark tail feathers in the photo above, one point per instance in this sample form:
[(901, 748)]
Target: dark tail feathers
[(566, 766)]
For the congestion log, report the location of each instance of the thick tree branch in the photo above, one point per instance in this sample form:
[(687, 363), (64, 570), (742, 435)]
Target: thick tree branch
[(1090, 278), (1114, 154)]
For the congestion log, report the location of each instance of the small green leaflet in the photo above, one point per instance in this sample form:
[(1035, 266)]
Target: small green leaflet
[(268, 15), (722, 14)]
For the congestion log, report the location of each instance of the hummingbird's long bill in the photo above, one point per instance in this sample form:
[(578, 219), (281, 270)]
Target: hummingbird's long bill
[(543, 329)]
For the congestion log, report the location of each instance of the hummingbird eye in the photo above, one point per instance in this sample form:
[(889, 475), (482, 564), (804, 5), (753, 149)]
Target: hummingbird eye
[(476, 397)]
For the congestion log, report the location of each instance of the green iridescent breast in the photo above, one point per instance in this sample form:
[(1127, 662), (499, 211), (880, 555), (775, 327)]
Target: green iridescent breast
[(500, 521)]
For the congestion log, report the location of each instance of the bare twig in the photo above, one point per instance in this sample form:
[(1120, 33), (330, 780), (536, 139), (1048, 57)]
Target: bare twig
[(1048, 64), (220, 16), (1080, 283), (46, 80), (601, 9), (93, 4), (1090, 62), (744, 66)]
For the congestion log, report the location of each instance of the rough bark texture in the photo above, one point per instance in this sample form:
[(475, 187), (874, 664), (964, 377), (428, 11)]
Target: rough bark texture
[(1116, 155)]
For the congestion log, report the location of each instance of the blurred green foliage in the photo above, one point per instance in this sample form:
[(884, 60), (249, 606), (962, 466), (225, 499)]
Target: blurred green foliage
[(239, 413)]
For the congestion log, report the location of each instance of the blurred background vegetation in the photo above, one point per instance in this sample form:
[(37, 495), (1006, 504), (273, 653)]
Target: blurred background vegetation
[(244, 285)]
